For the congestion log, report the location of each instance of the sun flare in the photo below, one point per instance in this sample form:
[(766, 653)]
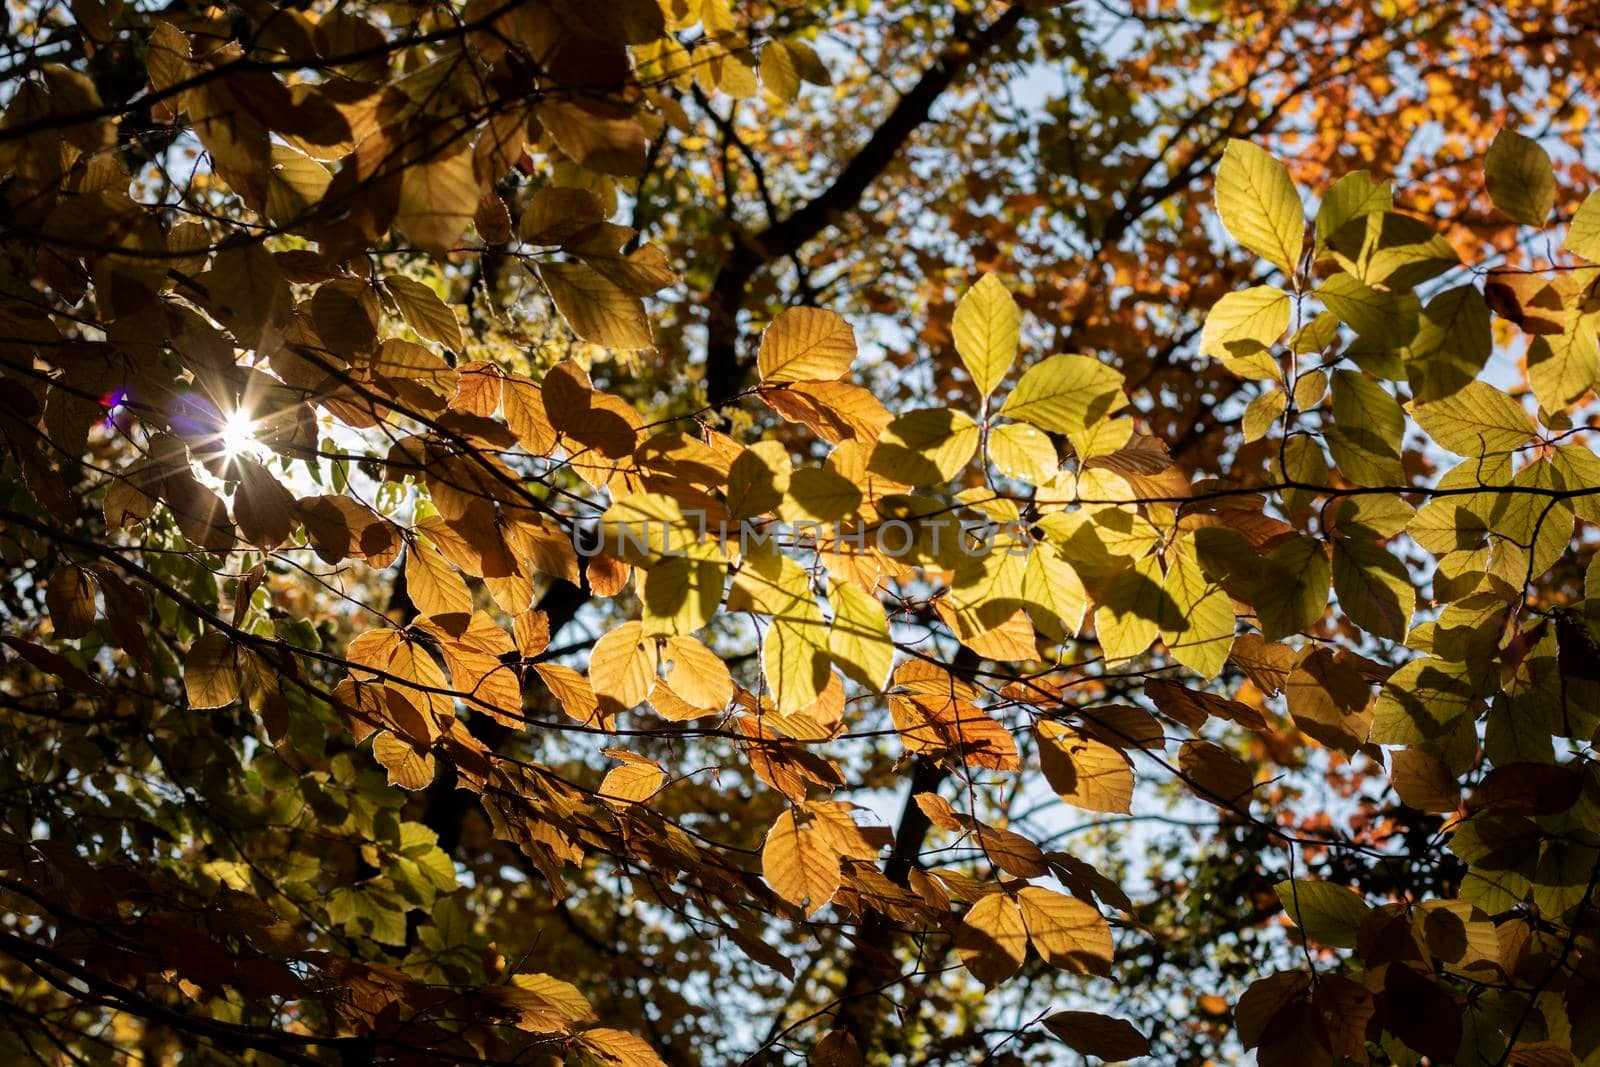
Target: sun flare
[(239, 434)]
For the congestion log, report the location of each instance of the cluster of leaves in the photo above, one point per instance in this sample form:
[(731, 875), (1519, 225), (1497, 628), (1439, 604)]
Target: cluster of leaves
[(240, 407)]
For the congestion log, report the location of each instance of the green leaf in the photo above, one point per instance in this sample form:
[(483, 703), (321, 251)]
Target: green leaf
[(1245, 323), (1259, 205), (1066, 394), (925, 447), (1198, 624), (1422, 701), (1535, 525), (1452, 344), (1327, 913), (1583, 238), (1290, 588), (1376, 515), (1128, 616), (1352, 196), (1561, 879), (1368, 427), (1385, 319), (1392, 250), (1580, 467), (986, 327), (1374, 587), (1478, 420), (858, 638), (1521, 181)]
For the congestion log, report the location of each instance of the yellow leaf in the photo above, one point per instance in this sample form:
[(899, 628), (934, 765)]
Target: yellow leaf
[(1198, 622), (1023, 452), (424, 312), (607, 143), (596, 308), (634, 782), (544, 1004), (799, 864), (434, 587), (1086, 773), (795, 656), (1583, 238), (681, 595), (697, 674), (778, 73), (806, 345), (438, 198), (1053, 594), (925, 447), (1244, 323), (1065, 394), (1068, 933), (211, 672), (758, 479), (574, 693), (523, 400), (622, 667), (819, 495), (617, 1048), (1127, 618), (1259, 205), (409, 767), (295, 184), (986, 326), (991, 940)]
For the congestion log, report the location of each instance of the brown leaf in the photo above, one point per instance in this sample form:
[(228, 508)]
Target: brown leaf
[(70, 596), (1098, 1035), (1216, 774), (1330, 699), (1192, 707)]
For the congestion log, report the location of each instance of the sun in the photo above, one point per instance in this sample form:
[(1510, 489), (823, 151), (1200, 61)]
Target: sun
[(239, 434)]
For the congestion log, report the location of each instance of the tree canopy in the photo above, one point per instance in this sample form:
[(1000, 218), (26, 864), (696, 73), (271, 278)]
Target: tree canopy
[(848, 532)]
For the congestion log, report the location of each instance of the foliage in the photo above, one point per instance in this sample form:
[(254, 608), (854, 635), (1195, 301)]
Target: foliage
[(447, 625)]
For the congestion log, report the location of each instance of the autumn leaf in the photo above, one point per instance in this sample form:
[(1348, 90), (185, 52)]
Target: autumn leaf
[(211, 672), (806, 345)]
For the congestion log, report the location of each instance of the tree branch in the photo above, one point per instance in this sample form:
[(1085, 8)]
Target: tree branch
[(725, 369)]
